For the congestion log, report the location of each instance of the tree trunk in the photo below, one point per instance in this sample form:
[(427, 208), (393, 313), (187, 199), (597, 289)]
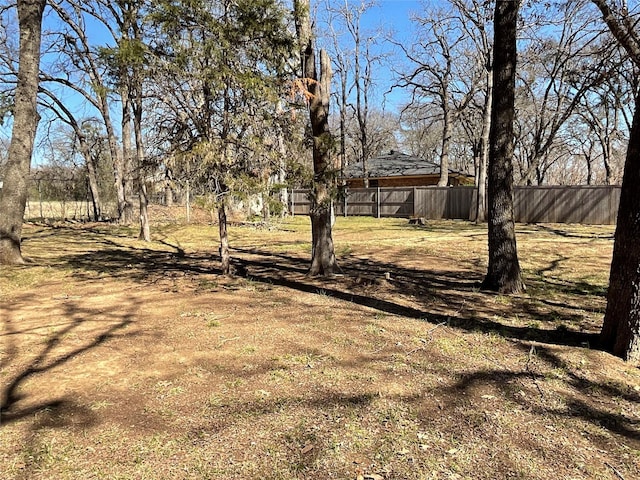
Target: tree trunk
[(344, 100), (126, 208), (443, 181), (169, 197), (621, 329), (93, 179), (283, 194), (225, 257), (145, 229), (503, 274), (607, 159), (620, 333), (116, 157), (481, 213), (13, 196), (323, 260)]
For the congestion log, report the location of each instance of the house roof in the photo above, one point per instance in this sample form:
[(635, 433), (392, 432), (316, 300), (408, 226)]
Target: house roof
[(397, 164)]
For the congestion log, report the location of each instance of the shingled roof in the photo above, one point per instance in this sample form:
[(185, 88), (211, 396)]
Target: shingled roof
[(396, 164)]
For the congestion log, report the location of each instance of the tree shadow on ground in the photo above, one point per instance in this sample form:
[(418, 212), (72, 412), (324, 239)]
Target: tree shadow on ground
[(447, 296), (580, 393), (430, 295), (568, 234), (55, 351), (450, 297), (65, 337)]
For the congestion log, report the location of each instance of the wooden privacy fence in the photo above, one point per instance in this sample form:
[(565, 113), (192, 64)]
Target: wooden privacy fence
[(594, 205), (597, 205)]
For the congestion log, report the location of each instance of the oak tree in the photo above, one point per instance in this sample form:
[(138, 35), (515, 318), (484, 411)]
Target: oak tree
[(13, 196), (620, 333), (503, 273)]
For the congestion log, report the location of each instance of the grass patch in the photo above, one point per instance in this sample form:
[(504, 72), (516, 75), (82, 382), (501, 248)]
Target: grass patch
[(125, 359)]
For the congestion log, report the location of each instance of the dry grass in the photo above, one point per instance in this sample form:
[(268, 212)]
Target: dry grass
[(121, 359)]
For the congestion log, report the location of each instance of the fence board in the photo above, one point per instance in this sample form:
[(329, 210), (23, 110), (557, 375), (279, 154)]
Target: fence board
[(397, 202), (597, 205), (459, 201), (432, 203)]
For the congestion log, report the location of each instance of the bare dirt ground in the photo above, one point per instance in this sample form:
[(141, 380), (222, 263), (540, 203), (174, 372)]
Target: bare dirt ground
[(126, 360)]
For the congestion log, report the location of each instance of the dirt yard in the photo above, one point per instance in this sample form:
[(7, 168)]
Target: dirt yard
[(126, 360)]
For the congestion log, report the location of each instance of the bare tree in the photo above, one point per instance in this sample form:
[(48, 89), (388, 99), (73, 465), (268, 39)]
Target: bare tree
[(92, 84), (13, 196), (418, 136), (475, 19), (130, 64), (342, 67), (84, 140), (603, 114), (440, 78), (561, 51), (356, 55), (503, 272)]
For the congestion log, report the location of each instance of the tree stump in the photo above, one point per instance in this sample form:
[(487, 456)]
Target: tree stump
[(417, 221)]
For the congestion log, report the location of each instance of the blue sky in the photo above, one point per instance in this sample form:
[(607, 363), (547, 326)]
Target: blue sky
[(396, 13), (394, 18)]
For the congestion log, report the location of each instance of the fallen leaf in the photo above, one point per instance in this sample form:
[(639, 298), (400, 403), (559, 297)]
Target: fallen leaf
[(307, 448)]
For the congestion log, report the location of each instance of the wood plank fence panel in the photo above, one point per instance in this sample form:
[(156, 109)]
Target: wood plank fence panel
[(533, 205), (459, 201), (397, 202), (361, 201), (596, 205), (299, 202), (431, 203)]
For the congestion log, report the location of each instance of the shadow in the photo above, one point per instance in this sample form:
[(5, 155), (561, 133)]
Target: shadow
[(553, 265), (451, 296), (567, 234), (429, 295), (54, 352), (436, 291), (440, 297), (581, 393), (447, 296)]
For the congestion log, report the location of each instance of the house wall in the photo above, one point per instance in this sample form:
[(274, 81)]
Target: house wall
[(402, 181)]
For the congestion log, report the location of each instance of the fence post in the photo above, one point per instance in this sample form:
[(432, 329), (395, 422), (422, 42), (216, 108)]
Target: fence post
[(415, 200), (378, 202), (188, 202), (293, 202), (344, 194)]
